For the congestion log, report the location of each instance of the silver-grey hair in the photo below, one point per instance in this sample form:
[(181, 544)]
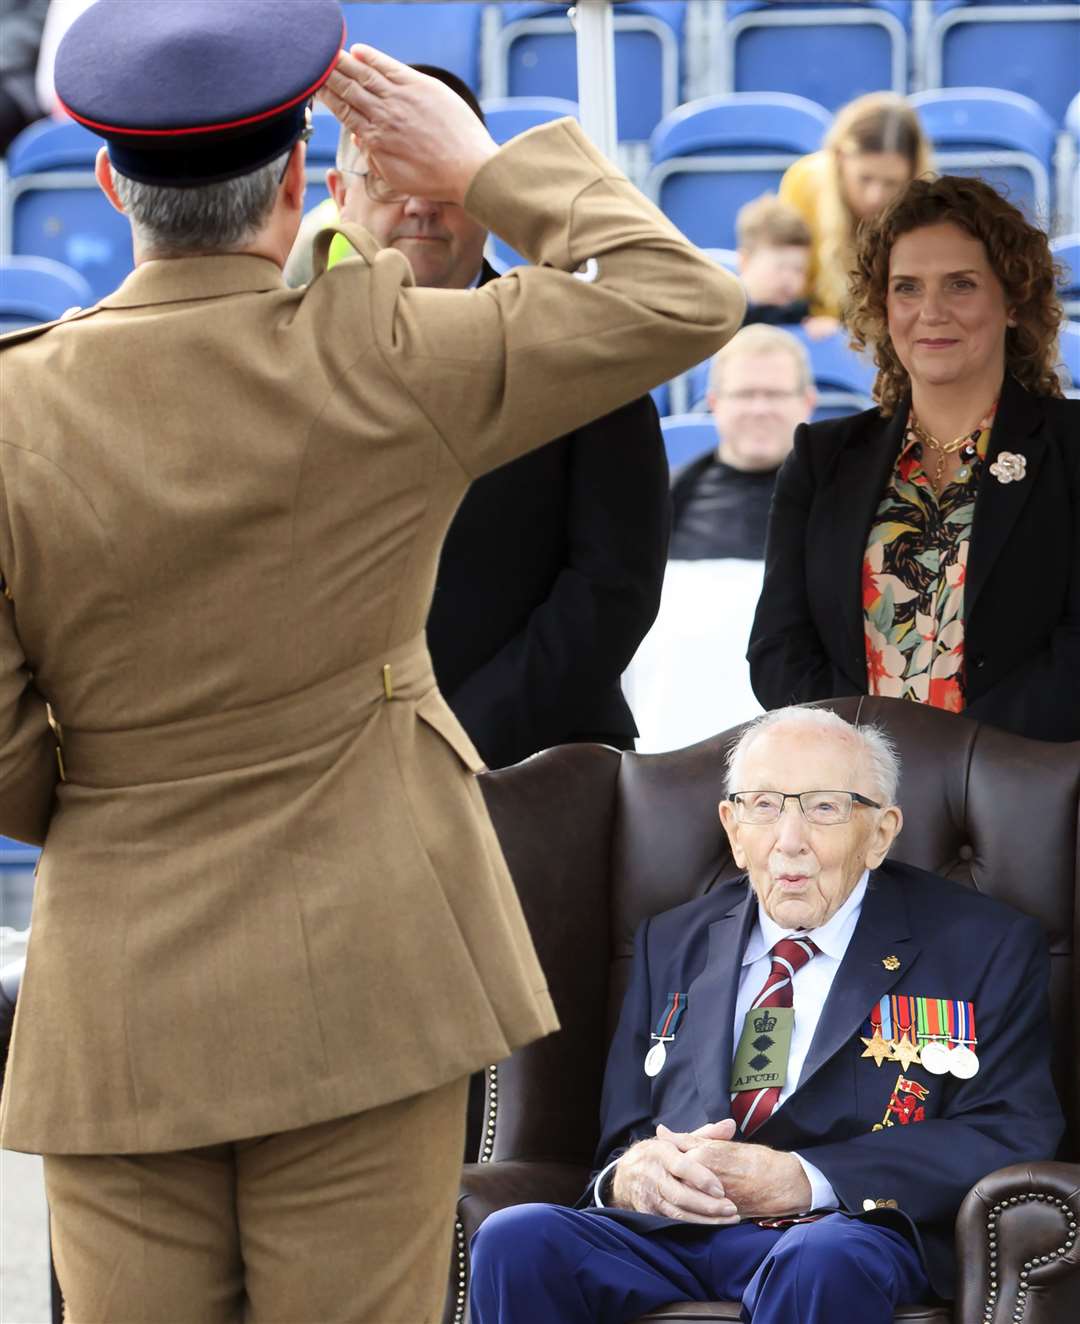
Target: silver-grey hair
[(209, 218), (877, 753), (347, 150)]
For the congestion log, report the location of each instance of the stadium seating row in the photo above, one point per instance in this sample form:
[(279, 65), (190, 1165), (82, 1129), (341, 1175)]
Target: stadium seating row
[(708, 158), (826, 50)]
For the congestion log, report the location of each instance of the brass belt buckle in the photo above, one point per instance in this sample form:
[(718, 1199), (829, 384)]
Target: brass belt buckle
[(388, 680)]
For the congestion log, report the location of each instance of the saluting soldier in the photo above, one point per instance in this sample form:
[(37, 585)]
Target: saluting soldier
[(273, 932)]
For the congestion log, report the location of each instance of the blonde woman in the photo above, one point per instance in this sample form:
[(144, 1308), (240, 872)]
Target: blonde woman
[(875, 147)]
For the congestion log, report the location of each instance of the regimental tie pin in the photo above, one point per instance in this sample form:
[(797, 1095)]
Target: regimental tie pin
[(891, 962)]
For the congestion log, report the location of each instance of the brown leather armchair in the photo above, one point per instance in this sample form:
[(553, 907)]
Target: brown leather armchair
[(596, 841)]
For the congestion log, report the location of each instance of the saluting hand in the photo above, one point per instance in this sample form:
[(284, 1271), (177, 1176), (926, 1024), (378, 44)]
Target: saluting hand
[(420, 136)]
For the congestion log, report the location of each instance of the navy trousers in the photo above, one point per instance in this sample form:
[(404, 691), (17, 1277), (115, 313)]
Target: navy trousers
[(540, 1263)]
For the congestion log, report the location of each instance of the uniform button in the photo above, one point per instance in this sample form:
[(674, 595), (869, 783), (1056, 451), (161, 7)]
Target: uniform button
[(966, 852)]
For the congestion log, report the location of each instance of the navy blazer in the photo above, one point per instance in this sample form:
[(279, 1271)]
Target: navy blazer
[(951, 943), (1021, 598)]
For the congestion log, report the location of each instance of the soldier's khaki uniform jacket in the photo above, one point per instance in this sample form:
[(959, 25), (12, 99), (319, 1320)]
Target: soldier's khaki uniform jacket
[(270, 893)]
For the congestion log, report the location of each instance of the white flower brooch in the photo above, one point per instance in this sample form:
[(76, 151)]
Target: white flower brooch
[(1009, 468)]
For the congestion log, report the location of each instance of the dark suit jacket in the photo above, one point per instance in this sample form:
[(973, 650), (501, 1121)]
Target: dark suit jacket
[(1021, 599), (951, 943), (549, 579)]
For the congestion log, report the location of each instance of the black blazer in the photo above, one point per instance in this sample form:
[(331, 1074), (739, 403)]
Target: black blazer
[(550, 577), (1021, 598)]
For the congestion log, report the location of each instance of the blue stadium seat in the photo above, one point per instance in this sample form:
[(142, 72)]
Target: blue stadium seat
[(421, 33), (534, 53), (1066, 251), (1003, 137), (839, 404), (53, 207), (828, 53), (1072, 118), (1070, 357), (506, 117), (686, 436), (836, 366), (716, 153), (1032, 48), (841, 376), (37, 289)]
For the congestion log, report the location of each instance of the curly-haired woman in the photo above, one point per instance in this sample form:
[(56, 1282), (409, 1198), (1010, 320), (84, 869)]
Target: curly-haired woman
[(929, 549)]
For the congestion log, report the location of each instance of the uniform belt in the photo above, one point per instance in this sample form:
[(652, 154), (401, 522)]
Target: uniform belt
[(242, 737)]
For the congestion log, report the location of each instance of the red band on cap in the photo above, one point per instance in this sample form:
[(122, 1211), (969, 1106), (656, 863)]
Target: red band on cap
[(106, 129)]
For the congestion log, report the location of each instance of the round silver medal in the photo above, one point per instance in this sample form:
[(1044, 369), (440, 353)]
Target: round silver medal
[(963, 1062), (935, 1058), (655, 1058)]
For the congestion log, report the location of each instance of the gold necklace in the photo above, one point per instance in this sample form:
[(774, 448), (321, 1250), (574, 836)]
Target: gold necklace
[(942, 448)]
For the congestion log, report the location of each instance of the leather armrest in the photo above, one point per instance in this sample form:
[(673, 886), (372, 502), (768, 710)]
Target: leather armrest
[(1017, 1249), (486, 1187)]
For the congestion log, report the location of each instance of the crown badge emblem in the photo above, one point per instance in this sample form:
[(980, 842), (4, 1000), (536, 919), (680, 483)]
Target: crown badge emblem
[(764, 1024)]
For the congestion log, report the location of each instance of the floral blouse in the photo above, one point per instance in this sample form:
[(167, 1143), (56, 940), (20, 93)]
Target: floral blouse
[(913, 577)]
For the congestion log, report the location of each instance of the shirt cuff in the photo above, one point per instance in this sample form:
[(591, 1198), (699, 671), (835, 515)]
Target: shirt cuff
[(822, 1195), (598, 1185)]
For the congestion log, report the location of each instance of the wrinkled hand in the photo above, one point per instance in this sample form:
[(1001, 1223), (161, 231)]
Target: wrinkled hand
[(417, 133), (762, 1182), (658, 1177)]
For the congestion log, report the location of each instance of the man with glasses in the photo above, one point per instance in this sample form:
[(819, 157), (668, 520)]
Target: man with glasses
[(551, 571), (760, 390), (813, 1065), (690, 677)]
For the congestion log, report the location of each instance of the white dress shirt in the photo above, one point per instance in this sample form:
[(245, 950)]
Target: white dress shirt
[(809, 989)]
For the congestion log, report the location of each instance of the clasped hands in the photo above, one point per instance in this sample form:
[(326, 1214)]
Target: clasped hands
[(705, 1176)]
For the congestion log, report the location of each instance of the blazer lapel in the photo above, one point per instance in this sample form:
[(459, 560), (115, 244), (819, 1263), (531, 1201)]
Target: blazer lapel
[(717, 989), (862, 470), (998, 504), (862, 978)]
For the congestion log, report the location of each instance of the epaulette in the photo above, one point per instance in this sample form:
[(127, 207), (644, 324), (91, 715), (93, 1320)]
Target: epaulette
[(29, 332)]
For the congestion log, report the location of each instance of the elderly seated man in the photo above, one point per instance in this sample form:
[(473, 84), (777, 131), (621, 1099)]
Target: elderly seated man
[(813, 1065)]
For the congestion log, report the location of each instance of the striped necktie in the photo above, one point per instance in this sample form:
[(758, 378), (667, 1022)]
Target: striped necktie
[(751, 1107)]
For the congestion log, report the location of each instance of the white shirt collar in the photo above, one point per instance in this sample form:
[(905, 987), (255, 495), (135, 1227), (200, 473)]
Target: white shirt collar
[(832, 937)]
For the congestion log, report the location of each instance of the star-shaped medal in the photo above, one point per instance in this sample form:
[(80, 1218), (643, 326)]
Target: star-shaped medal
[(904, 1051), (877, 1048)]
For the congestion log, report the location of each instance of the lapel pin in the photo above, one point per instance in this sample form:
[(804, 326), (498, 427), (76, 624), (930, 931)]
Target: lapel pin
[(1009, 467), (891, 962)]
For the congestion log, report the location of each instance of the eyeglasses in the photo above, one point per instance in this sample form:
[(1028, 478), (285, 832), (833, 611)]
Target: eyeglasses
[(766, 397), (378, 190), (822, 808)]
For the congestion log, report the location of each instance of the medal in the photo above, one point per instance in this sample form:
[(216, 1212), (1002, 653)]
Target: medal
[(962, 1062), (655, 1058), (935, 1057), (664, 1034)]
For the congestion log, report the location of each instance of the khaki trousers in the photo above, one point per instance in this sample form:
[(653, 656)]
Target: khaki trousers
[(347, 1222)]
